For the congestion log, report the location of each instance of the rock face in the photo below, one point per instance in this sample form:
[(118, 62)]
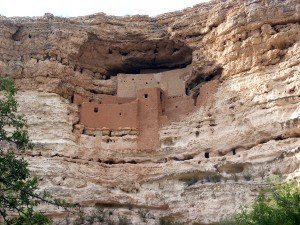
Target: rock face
[(208, 162)]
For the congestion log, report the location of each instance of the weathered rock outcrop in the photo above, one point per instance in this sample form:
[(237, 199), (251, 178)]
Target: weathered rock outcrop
[(211, 161)]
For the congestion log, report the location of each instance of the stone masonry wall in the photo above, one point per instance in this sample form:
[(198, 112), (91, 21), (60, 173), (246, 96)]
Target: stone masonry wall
[(171, 82)]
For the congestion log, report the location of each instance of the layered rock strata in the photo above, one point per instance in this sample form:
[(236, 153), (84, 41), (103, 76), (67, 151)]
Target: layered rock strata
[(209, 162)]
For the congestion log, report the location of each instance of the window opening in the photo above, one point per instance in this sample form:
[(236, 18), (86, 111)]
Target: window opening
[(206, 155)]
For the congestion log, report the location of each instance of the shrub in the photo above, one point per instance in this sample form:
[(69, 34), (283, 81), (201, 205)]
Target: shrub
[(97, 216), (279, 204), (18, 189)]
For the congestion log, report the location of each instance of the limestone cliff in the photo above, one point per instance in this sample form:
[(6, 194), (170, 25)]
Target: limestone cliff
[(210, 161)]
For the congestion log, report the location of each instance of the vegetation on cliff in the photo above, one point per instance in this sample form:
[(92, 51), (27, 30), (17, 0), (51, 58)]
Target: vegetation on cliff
[(18, 189), (278, 204)]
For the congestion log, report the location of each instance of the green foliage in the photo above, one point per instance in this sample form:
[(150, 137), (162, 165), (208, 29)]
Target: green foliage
[(30, 218), (18, 190), (99, 216), (277, 205), (9, 118)]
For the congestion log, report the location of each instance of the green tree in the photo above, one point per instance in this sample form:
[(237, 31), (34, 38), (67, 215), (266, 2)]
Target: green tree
[(278, 204), (18, 190)]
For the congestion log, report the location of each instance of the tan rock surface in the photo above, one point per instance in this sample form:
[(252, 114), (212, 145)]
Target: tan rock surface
[(251, 46)]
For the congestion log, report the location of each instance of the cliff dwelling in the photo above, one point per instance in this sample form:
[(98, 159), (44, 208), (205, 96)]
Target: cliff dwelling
[(143, 104), (155, 85)]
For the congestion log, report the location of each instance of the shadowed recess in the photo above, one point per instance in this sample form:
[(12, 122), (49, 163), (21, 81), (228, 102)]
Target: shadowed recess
[(131, 56)]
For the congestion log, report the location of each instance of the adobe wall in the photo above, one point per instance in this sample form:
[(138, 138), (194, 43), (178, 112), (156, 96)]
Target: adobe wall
[(105, 99), (78, 99), (109, 99), (171, 82), (142, 114), (149, 111), (146, 114), (177, 107), (112, 116), (207, 91)]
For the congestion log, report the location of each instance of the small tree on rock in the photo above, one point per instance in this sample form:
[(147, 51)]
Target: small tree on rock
[(18, 190), (279, 204)]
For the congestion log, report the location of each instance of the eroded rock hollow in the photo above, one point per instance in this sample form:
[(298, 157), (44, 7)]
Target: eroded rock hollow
[(182, 116)]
